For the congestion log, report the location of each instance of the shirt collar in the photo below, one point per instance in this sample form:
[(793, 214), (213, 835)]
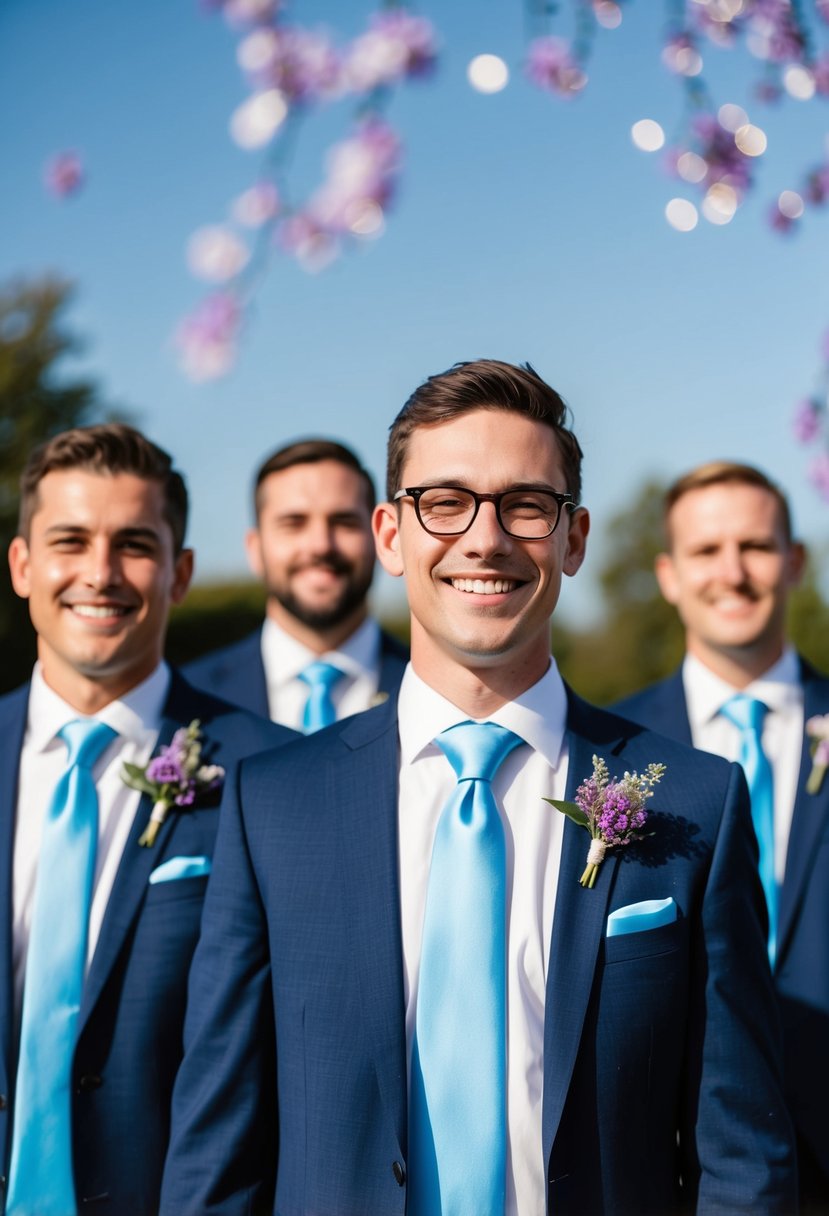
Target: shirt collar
[(706, 693), (134, 715), (287, 657), (538, 716)]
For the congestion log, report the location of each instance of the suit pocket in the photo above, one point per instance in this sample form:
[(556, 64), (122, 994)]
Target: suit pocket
[(173, 892), (667, 939)]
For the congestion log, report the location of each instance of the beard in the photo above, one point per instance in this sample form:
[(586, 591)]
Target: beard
[(327, 616)]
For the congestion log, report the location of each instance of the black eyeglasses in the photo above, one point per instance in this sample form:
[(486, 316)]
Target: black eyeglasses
[(525, 513)]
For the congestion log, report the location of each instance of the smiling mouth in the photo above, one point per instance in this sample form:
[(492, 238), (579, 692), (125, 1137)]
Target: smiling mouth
[(484, 586), (99, 612)]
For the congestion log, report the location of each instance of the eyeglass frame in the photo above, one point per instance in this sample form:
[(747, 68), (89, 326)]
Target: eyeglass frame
[(561, 499)]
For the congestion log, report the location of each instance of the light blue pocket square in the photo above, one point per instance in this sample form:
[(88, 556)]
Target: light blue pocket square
[(181, 867), (636, 918)]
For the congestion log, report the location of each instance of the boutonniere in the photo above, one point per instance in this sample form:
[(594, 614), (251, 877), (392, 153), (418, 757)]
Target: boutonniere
[(612, 811), (175, 777), (817, 730)]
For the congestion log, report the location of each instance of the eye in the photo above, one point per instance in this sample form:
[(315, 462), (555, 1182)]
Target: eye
[(444, 502)]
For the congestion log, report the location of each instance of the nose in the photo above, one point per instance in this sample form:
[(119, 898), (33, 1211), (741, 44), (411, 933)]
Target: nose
[(732, 566), (104, 566), (486, 537), (319, 536)]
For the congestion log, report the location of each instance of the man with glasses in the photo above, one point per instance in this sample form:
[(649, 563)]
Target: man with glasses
[(415, 1005)]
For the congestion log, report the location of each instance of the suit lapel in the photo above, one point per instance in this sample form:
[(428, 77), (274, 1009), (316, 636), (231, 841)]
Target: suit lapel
[(137, 863), (578, 927), (808, 819), (12, 728), (367, 827)]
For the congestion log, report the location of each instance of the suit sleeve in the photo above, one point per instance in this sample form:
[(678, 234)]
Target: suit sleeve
[(223, 1145), (736, 1140)]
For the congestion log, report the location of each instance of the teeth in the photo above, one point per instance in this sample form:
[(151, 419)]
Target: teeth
[(93, 610), (483, 586)]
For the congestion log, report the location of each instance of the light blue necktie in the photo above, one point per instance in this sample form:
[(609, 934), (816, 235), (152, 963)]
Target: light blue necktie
[(458, 1106), (319, 708), (41, 1179), (747, 714)]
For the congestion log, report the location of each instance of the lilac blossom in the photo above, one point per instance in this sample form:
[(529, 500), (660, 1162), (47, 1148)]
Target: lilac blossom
[(207, 337), (806, 421), (302, 64), (397, 44), (550, 65), (63, 175), (818, 473)]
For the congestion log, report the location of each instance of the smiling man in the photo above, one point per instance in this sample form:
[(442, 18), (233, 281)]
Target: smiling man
[(730, 565), (416, 1006), (319, 655), (98, 932)]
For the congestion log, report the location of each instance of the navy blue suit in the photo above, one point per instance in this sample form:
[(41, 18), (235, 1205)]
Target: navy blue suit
[(660, 1047), (129, 1041), (801, 975), (236, 673)]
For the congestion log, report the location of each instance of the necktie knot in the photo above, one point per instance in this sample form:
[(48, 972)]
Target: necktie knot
[(321, 675), (476, 750), (86, 739), (746, 713), (319, 708)]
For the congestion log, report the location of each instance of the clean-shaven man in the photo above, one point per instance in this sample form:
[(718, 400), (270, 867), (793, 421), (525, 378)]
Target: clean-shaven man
[(319, 655), (729, 566), (418, 1007), (97, 930)]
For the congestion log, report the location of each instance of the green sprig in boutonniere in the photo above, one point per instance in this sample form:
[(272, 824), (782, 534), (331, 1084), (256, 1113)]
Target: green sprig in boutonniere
[(817, 730), (175, 777), (612, 811)]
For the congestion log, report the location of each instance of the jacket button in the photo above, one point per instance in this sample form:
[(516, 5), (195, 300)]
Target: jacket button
[(90, 1080), (399, 1173)]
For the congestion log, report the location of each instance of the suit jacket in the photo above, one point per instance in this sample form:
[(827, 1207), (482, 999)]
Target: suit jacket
[(129, 1042), (660, 1051), (801, 974), (237, 672)]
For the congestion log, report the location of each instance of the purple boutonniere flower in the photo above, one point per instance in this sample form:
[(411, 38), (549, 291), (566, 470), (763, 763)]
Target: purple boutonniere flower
[(612, 811), (175, 777)]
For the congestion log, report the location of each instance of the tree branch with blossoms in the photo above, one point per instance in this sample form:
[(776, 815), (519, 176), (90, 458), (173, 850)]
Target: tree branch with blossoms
[(293, 72)]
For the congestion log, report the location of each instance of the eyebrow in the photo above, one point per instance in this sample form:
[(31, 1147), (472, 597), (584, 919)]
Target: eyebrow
[(136, 533), (460, 483)]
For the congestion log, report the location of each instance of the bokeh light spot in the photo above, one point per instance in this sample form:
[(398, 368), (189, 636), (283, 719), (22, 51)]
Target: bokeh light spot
[(681, 214), (487, 74), (647, 135), (256, 121), (791, 204), (731, 117), (799, 82), (691, 167), (720, 203)]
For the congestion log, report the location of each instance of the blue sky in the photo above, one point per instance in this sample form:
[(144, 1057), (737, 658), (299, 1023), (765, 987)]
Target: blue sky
[(525, 228)]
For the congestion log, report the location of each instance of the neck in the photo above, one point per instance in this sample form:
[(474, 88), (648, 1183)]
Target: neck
[(479, 690), (738, 666), (317, 640), (88, 695)]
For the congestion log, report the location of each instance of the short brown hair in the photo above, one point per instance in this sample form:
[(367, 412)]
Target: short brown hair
[(311, 451), (725, 472), (490, 385), (107, 448)]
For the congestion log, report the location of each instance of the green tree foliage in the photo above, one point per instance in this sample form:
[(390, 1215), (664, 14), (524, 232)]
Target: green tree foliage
[(37, 400)]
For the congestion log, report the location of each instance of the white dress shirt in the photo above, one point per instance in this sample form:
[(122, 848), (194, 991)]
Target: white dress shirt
[(137, 719), (534, 832), (781, 691), (284, 658)]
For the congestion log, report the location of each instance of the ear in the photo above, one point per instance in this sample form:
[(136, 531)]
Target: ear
[(182, 576), (665, 571), (19, 566), (797, 562), (253, 549), (576, 540), (386, 527)]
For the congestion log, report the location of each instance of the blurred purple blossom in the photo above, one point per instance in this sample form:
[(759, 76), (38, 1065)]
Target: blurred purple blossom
[(63, 174), (550, 65), (165, 768), (818, 473), (397, 44), (207, 337), (806, 422)]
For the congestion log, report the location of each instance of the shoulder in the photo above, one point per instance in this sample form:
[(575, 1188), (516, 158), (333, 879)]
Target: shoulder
[(664, 692), (352, 745), (13, 704), (226, 659)]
